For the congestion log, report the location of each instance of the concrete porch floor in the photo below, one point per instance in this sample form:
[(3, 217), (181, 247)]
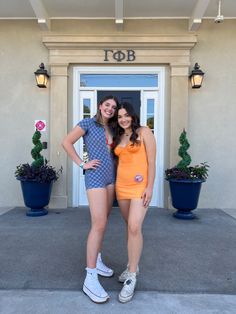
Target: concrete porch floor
[(186, 266)]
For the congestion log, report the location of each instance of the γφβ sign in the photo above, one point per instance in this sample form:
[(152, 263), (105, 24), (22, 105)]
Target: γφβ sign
[(119, 55)]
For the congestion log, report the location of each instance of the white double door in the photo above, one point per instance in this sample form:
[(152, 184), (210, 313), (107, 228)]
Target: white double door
[(150, 115)]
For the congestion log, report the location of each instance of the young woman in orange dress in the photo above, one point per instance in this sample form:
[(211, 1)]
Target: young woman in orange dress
[(135, 147)]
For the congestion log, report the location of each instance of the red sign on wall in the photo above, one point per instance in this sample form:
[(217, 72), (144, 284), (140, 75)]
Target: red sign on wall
[(40, 125)]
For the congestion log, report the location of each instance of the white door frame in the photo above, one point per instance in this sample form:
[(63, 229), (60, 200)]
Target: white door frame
[(159, 119)]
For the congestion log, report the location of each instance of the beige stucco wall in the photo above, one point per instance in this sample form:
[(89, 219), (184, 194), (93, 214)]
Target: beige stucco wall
[(21, 102), (211, 109)]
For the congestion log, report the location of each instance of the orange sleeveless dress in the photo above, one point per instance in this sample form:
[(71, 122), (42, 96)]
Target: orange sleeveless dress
[(132, 171)]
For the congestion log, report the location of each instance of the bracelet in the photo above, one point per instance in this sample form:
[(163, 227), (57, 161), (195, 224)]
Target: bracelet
[(81, 165)]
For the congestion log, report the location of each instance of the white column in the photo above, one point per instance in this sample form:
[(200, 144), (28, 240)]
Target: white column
[(178, 114), (178, 108), (58, 130)]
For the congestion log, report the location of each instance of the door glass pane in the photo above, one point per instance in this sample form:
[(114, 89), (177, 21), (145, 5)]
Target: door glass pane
[(150, 121), (86, 114), (150, 113), (150, 106), (87, 107), (119, 80)]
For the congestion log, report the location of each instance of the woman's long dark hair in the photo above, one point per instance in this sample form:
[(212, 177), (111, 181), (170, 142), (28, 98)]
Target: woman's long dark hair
[(135, 124), (98, 114)]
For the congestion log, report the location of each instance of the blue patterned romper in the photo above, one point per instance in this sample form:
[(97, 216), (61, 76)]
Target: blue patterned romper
[(95, 142)]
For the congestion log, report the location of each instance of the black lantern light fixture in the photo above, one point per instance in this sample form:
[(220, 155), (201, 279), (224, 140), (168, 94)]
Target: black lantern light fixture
[(41, 76), (196, 77)]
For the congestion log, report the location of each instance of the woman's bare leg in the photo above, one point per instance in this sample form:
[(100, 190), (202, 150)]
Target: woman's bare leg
[(110, 197), (124, 208), (110, 190), (98, 203), (137, 213)]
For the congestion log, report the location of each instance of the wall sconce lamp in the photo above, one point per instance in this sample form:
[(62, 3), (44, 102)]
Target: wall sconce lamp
[(41, 76), (196, 77)]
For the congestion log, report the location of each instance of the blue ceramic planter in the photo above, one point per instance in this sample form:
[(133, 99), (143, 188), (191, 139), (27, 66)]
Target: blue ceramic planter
[(184, 196), (36, 196)]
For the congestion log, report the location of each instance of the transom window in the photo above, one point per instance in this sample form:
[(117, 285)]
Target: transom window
[(119, 80)]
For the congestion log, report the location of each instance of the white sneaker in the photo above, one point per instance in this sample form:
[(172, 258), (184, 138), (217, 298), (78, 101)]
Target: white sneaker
[(123, 276), (102, 269), (93, 289), (127, 291)]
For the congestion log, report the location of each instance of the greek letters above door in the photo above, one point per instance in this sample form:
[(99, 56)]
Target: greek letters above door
[(144, 88)]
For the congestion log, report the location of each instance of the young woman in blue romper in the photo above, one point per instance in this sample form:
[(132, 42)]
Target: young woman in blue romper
[(99, 182)]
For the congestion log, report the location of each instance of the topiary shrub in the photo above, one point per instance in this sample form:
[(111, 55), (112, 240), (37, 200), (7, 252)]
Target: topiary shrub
[(39, 170), (183, 170), (35, 152)]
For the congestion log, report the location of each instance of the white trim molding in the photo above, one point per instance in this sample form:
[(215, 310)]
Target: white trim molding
[(172, 51)]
